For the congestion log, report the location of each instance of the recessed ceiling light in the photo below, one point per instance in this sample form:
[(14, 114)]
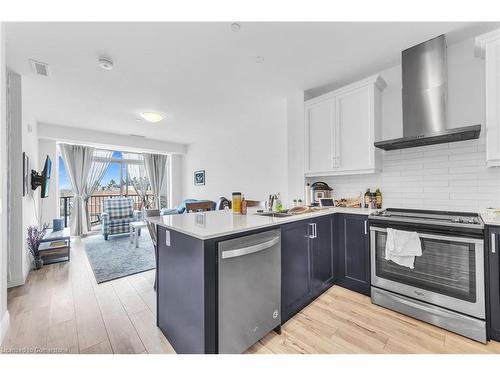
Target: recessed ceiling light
[(235, 27), (106, 63), (259, 59), (151, 116)]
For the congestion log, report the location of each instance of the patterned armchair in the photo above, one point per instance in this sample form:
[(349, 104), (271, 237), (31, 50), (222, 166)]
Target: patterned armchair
[(117, 214)]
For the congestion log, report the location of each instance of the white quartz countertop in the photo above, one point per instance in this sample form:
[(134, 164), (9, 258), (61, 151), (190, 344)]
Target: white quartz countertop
[(490, 219), (213, 224)]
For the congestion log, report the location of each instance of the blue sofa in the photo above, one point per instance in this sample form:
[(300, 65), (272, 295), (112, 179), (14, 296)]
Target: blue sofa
[(181, 208)]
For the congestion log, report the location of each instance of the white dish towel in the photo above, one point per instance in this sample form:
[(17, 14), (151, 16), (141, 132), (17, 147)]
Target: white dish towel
[(402, 247)]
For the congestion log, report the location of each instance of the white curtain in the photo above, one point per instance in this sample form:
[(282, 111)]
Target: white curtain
[(165, 189), (156, 170), (100, 164), (78, 162), (137, 175)]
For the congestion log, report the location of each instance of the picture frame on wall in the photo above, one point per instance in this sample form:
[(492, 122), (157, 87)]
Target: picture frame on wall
[(26, 176), (199, 178)]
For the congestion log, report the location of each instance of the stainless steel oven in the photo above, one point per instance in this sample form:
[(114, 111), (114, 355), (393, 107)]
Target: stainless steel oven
[(446, 286)]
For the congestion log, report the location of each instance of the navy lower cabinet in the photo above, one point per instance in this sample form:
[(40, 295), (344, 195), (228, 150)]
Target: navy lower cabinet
[(306, 263), (493, 262), (322, 254), (352, 253), (295, 268)]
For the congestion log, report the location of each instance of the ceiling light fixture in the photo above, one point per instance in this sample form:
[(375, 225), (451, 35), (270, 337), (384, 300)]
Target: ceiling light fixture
[(151, 117), (235, 27), (106, 63), (259, 59)]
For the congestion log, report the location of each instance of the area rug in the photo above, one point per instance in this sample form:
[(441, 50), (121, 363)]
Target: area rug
[(117, 257)]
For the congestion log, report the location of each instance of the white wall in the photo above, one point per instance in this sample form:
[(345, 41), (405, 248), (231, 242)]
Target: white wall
[(4, 314), (49, 206), (14, 181), (176, 180), (448, 176), (107, 140), (251, 156), (295, 143), (22, 138), (30, 146)]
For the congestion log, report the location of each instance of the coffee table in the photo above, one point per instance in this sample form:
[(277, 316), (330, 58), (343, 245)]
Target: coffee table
[(135, 231)]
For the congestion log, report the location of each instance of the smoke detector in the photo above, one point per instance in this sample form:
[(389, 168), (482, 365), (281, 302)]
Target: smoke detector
[(106, 63), (235, 27), (40, 68)]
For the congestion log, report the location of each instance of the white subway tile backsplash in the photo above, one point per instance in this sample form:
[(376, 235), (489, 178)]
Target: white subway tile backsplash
[(431, 171), (443, 177)]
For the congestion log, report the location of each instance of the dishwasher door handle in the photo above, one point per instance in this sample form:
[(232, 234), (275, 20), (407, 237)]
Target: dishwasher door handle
[(250, 249)]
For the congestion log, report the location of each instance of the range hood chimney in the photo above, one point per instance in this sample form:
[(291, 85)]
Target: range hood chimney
[(425, 91)]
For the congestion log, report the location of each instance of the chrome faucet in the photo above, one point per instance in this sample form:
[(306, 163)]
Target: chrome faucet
[(270, 202)]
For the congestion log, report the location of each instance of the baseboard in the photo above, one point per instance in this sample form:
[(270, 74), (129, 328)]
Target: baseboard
[(15, 282), (4, 325), (18, 281)]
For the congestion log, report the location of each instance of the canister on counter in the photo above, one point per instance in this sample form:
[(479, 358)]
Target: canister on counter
[(236, 202)]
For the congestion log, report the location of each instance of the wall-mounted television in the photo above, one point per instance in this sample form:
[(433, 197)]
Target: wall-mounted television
[(42, 179)]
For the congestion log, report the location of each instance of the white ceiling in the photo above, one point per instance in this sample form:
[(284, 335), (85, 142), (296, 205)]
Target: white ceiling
[(200, 75)]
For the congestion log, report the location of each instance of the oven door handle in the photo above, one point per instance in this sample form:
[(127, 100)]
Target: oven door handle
[(435, 237)]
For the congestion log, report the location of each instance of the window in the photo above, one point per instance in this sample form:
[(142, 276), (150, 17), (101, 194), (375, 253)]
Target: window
[(65, 189), (115, 182)]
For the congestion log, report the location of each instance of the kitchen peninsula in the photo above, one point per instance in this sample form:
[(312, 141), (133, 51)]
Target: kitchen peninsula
[(201, 264)]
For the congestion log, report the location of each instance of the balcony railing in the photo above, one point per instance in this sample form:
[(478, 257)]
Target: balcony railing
[(95, 205)]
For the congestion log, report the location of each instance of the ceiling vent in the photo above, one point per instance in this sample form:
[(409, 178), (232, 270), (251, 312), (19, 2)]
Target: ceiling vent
[(40, 68)]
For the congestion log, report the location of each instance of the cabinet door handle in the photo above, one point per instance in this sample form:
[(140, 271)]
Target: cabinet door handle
[(366, 229), (310, 231), (315, 230), (493, 243)]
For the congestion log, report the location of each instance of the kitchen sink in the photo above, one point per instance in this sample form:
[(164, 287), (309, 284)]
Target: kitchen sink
[(274, 214)]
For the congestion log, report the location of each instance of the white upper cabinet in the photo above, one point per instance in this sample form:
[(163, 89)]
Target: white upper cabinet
[(320, 134), (341, 127), (488, 47)]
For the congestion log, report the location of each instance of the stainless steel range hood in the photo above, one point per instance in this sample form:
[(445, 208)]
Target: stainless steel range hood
[(425, 91)]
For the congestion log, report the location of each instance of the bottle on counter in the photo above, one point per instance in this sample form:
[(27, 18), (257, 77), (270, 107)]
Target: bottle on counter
[(373, 201), (367, 198), (236, 202), (378, 196), (279, 205), (308, 194), (243, 205)]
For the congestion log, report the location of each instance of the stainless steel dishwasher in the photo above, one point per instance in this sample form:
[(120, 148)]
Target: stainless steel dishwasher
[(249, 289)]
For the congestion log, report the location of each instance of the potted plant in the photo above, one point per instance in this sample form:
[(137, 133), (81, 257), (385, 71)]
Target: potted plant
[(35, 235)]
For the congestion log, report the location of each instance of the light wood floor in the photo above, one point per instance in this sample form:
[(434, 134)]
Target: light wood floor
[(61, 308)]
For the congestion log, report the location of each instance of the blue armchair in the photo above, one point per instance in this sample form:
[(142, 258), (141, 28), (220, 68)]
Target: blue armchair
[(117, 215)]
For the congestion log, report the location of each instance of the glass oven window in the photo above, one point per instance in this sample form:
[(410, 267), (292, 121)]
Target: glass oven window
[(445, 267)]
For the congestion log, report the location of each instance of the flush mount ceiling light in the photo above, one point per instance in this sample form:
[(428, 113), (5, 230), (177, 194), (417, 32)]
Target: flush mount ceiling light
[(106, 63), (235, 27), (259, 59), (151, 117)]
